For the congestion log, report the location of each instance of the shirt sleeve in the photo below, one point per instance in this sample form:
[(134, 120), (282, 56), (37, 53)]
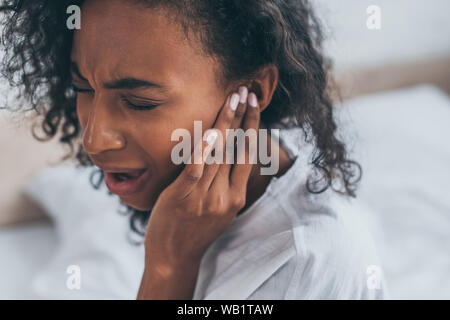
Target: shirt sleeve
[(335, 259)]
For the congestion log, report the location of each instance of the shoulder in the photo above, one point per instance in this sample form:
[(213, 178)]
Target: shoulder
[(335, 256)]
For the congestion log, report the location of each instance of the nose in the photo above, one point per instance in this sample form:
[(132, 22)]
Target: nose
[(102, 132)]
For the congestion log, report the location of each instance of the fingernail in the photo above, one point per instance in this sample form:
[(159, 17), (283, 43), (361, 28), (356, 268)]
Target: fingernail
[(243, 93), (234, 101), (211, 138), (252, 100)]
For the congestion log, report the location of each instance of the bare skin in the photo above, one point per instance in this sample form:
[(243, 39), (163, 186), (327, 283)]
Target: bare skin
[(192, 204)]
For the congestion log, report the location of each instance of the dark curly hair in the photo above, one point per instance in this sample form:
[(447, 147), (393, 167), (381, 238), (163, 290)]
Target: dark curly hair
[(243, 35)]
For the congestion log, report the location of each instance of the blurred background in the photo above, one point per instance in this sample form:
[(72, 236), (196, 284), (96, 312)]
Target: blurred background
[(395, 114)]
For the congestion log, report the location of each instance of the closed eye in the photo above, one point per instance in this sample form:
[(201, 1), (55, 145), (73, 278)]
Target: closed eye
[(76, 89), (146, 106)]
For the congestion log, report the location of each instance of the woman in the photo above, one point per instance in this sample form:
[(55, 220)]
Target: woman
[(137, 71)]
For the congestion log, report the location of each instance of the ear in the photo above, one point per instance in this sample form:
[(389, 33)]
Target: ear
[(264, 84)]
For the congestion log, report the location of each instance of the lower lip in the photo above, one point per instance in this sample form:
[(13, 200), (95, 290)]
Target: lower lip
[(126, 187)]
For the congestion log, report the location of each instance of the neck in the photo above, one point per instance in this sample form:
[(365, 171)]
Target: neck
[(257, 182)]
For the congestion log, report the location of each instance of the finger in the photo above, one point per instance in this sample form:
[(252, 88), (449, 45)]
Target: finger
[(246, 152), (223, 122), (224, 170), (240, 111), (194, 169)]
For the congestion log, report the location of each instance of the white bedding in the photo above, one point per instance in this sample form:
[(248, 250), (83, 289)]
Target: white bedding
[(402, 143), (24, 250)]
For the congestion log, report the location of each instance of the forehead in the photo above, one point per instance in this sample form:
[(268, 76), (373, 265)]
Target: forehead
[(118, 38)]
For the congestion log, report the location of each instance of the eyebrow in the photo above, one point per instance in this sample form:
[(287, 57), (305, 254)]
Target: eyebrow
[(124, 83)]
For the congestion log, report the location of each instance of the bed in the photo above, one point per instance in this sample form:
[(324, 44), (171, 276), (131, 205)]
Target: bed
[(405, 189), (395, 116)]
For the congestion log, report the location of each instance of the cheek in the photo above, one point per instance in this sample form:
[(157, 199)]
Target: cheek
[(153, 131), (153, 139), (204, 109)]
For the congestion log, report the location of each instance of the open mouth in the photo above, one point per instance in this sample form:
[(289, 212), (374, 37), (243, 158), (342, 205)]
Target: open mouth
[(119, 176), (126, 183)]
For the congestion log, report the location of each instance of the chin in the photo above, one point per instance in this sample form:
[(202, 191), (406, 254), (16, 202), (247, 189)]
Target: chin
[(145, 200), (137, 204)]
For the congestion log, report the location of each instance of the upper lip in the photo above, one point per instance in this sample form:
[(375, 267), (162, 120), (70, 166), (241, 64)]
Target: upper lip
[(116, 169)]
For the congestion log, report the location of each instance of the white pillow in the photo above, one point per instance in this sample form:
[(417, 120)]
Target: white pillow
[(94, 237)]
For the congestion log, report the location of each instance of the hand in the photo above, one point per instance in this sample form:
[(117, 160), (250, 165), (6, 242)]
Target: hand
[(205, 198)]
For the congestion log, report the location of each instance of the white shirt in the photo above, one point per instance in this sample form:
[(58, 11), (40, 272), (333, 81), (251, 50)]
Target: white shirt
[(291, 244)]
